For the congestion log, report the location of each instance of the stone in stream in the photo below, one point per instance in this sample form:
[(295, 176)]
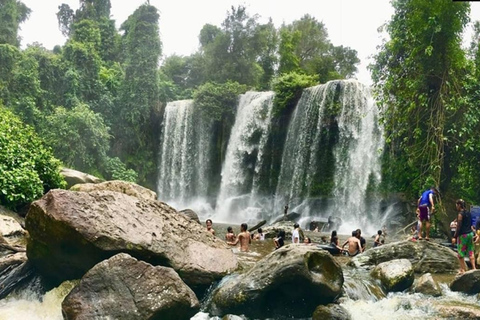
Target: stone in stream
[(469, 282), (426, 285), (395, 275), (124, 288), (289, 282)]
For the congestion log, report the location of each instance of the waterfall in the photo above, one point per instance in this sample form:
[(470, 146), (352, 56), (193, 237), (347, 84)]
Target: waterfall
[(332, 154), (302, 143), (357, 157), (244, 157), (185, 147)]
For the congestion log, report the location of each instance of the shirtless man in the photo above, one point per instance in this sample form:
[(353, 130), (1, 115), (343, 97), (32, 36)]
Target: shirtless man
[(354, 245), (230, 236), (243, 237), (209, 226)]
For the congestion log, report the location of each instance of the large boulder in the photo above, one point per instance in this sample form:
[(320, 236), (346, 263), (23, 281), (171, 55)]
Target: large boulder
[(469, 282), (426, 285), (73, 177), (395, 275), (128, 188), (124, 288), (290, 282), (425, 256), (70, 232)]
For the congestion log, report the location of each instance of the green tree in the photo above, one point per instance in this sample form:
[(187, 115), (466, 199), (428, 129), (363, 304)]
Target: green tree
[(78, 137), (418, 77), (28, 168), (305, 47), (136, 132), (12, 14)]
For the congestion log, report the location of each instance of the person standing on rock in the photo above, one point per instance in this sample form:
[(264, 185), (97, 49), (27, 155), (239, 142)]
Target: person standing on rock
[(426, 208), (285, 210), (243, 237), (209, 224), (296, 233), (464, 236)]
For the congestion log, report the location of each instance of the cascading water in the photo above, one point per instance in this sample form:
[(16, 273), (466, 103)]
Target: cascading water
[(357, 157), (184, 155), (332, 154), (244, 158)]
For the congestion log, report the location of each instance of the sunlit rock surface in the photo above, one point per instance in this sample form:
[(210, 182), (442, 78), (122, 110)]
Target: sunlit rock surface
[(395, 275), (425, 256), (71, 231), (291, 281), (124, 288)]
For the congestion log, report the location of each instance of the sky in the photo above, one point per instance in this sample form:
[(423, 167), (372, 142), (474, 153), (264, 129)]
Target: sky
[(351, 23)]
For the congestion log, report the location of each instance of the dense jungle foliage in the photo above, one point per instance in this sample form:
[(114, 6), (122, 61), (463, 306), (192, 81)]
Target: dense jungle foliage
[(98, 100)]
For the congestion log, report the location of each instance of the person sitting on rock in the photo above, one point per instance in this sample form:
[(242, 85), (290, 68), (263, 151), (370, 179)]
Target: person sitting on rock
[(363, 242), (377, 242), (279, 241), (243, 237), (296, 233), (354, 245)]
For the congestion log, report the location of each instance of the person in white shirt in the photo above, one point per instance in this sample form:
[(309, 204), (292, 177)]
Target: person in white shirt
[(296, 233)]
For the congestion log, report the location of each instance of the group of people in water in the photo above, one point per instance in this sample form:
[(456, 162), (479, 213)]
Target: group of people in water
[(356, 243)]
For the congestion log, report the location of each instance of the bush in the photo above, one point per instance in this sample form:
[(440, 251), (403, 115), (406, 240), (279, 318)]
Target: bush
[(116, 170), (27, 168), (288, 89)]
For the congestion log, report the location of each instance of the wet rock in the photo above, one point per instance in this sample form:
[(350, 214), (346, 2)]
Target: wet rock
[(395, 275), (464, 312), (292, 216), (128, 188), (331, 312), (15, 270), (425, 256), (124, 288), (70, 232), (73, 177), (191, 214), (290, 282), (426, 285), (469, 282), (272, 230)]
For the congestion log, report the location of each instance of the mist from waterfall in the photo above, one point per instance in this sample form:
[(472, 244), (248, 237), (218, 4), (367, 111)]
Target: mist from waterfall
[(185, 147), (244, 157)]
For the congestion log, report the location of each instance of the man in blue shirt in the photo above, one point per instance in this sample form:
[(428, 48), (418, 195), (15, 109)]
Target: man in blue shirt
[(426, 208)]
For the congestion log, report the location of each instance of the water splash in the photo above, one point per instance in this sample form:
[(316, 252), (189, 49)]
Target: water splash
[(244, 157)]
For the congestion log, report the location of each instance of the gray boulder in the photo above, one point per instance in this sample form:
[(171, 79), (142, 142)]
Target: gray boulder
[(128, 188), (289, 282), (425, 256), (331, 312), (395, 275), (469, 282), (191, 214), (426, 285), (73, 177), (124, 288), (70, 232)]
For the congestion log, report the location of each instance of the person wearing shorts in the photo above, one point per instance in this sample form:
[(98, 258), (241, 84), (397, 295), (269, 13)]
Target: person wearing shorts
[(464, 236), (426, 207)]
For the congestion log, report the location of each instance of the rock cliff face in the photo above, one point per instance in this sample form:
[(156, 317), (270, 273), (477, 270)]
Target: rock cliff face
[(124, 288), (70, 232), (290, 282)]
